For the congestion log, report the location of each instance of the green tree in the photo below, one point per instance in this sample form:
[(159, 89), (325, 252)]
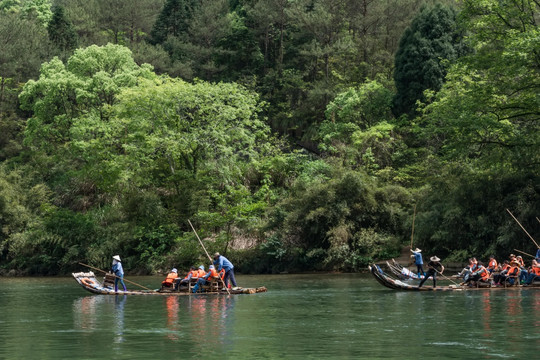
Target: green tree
[(421, 61), (61, 31), (173, 20)]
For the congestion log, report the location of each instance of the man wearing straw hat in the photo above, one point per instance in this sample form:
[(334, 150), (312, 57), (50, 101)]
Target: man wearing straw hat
[(434, 267), (417, 255), (118, 271)]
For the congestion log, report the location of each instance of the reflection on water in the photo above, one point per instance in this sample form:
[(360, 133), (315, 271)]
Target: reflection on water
[(302, 316), (119, 302)]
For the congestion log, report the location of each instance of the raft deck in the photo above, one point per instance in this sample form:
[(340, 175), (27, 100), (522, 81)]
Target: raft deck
[(89, 282)]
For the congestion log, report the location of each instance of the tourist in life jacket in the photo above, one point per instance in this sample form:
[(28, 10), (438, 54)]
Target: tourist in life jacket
[(492, 265), (534, 273), (193, 273), (211, 274), (504, 270), (480, 274), (467, 271), (222, 263), (118, 271), (419, 262), (169, 280), (434, 267), (509, 275)]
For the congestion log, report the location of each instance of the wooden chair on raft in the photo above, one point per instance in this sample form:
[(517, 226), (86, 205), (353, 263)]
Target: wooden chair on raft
[(214, 285)]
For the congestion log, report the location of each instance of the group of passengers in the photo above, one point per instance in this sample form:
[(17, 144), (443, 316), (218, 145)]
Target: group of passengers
[(512, 271), (220, 270)]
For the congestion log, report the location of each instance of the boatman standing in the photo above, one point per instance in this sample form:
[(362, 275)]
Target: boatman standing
[(434, 267), (417, 255), (118, 271), (221, 262)]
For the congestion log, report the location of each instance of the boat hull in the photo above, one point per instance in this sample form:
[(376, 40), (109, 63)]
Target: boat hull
[(396, 284)]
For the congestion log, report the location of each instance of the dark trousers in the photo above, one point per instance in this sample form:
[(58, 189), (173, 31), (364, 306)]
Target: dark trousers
[(229, 274), (433, 274), (420, 269)]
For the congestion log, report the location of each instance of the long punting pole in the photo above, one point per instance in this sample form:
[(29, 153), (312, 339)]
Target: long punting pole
[(106, 272), (538, 246), (447, 278), (523, 252), (209, 258), (412, 232)]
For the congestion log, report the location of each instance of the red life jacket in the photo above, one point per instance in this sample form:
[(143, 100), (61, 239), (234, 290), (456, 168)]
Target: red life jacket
[(170, 278)]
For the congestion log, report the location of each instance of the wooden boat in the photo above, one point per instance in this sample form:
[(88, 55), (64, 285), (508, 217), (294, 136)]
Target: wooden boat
[(397, 284), (90, 283), (402, 272)]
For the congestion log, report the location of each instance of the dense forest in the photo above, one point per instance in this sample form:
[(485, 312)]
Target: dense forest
[(296, 135)]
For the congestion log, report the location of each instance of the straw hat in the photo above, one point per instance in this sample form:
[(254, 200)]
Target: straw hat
[(117, 258), (434, 258), (416, 250), (216, 255)]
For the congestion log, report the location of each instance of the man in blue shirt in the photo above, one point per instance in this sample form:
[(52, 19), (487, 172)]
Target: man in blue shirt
[(417, 255), (119, 272), (221, 262)]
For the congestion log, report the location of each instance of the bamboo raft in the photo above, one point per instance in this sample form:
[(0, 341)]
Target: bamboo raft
[(396, 284), (89, 282)]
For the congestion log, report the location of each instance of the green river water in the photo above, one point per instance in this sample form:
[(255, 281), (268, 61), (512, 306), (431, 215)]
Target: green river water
[(324, 316)]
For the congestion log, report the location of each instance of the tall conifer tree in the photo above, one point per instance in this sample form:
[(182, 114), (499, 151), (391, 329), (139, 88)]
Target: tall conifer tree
[(61, 31), (431, 38)]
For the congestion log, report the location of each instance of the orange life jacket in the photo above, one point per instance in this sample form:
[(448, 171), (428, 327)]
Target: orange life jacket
[(222, 274), (492, 264), (170, 278), (213, 274), (514, 270), (536, 270), (483, 273), (194, 273)]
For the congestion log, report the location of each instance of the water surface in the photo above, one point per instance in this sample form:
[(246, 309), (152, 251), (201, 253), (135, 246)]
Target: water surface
[(301, 316)]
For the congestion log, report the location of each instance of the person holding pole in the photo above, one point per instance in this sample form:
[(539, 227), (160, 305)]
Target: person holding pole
[(118, 270), (221, 262), (434, 267)]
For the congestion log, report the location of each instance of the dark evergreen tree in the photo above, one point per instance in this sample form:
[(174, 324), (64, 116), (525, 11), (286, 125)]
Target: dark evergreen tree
[(173, 20), (420, 61), (61, 31)]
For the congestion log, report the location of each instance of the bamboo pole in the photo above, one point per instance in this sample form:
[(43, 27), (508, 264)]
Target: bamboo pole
[(412, 232), (538, 246), (523, 252), (209, 258), (447, 278), (106, 272)]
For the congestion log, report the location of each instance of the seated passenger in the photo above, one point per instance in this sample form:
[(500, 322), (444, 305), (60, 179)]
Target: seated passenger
[(492, 265), (169, 281), (193, 273), (480, 274), (510, 275), (534, 273), (212, 273), (504, 270)]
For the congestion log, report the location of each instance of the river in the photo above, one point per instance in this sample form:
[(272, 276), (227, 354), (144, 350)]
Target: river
[(337, 316)]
